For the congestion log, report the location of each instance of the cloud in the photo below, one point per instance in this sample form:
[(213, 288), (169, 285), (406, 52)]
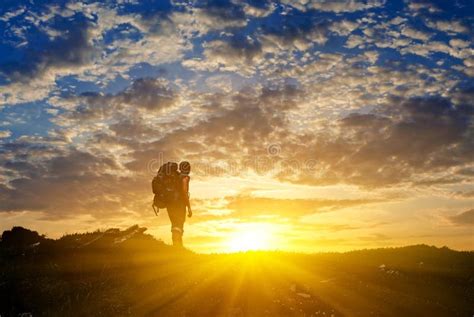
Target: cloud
[(61, 184), (114, 120), (255, 75), (464, 194), (391, 145), (417, 6), (243, 206), (459, 43), (59, 169), (451, 27), (150, 94), (259, 9), (238, 54), (469, 69), (463, 218), (5, 134), (80, 44), (248, 123), (74, 49), (213, 15), (7, 16), (354, 41), (334, 5), (420, 135), (344, 27), (415, 34), (296, 32)]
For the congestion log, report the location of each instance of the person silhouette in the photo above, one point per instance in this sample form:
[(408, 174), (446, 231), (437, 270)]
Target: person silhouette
[(177, 208)]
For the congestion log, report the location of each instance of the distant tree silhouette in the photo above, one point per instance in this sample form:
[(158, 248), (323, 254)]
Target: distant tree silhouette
[(19, 237)]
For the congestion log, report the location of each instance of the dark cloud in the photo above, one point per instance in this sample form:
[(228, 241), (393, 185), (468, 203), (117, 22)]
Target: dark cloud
[(150, 94), (73, 48), (72, 181), (421, 132), (132, 129), (464, 194), (223, 10), (298, 30), (411, 137), (64, 181), (464, 218), (390, 145), (49, 174), (239, 133), (393, 144), (335, 5), (238, 47)]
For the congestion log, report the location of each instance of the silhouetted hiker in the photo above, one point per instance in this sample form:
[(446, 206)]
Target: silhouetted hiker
[(171, 189)]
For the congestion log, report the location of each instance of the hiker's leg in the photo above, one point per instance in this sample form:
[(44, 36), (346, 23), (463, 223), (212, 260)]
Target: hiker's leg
[(175, 234), (179, 221), (177, 215)]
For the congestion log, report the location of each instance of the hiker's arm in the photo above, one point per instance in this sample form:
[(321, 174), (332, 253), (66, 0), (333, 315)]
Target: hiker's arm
[(188, 204), (186, 195)]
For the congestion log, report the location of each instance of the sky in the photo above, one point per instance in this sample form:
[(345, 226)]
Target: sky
[(310, 125)]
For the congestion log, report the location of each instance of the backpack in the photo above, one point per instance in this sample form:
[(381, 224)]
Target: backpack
[(165, 185)]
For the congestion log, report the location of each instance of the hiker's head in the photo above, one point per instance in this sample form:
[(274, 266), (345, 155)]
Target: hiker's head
[(185, 167)]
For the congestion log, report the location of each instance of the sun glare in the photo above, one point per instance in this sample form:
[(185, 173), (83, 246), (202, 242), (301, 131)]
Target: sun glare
[(251, 237)]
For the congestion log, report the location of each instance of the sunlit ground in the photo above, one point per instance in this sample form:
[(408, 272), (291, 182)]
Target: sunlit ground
[(245, 284), (275, 284), (116, 274)]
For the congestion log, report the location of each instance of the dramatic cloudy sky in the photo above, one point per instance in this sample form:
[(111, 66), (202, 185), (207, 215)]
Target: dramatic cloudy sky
[(327, 125)]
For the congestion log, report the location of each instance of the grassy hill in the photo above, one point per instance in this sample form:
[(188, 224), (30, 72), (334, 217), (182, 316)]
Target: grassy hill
[(129, 273)]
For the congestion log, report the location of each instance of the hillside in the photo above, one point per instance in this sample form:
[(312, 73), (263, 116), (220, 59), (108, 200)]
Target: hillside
[(129, 273)]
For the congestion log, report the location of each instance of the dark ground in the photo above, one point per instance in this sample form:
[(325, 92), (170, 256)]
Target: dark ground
[(128, 273)]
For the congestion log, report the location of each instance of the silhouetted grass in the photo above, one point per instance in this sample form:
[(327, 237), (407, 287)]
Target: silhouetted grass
[(129, 273)]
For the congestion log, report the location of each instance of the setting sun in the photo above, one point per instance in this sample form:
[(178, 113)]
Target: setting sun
[(251, 237)]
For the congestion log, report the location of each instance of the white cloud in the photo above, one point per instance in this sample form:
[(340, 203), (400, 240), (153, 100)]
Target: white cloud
[(19, 92), (334, 5), (354, 41), (418, 6), (7, 16), (259, 12), (344, 27), (469, 69), (397, 20), (450, 27), (459, 43), (372, 56), (5, 134), (415, 34)]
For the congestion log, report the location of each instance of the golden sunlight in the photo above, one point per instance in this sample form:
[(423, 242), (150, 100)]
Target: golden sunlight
[(251, 237)]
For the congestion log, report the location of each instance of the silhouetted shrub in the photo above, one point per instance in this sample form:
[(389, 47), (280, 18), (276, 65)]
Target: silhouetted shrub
[(20, 237)]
